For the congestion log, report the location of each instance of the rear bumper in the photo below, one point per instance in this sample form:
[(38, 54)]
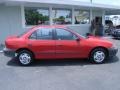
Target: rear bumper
[(9, 52), (113, 52)]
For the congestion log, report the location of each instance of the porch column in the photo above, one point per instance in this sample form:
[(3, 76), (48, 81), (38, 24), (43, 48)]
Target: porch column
[(73, 15), (23, 16), (91, 15), (103, 17), (50, 15)]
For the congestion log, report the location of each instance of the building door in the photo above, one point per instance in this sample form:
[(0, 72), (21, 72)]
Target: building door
[(97, 26), (98, 20)]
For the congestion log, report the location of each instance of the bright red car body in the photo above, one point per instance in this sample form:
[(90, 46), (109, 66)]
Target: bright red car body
[(80, 47)]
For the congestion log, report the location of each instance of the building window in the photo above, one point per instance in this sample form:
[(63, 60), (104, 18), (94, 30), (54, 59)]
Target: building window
[(62, 16), (82, 17), (36, 16)]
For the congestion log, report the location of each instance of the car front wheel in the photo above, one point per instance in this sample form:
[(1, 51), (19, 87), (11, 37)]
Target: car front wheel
[(25, 57), (98, 56)]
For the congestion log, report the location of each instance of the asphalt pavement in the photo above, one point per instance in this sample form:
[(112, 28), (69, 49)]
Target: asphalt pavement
[(75, 74)]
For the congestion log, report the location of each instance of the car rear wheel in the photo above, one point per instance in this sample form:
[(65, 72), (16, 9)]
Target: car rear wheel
[(98, 56), (25, 57)]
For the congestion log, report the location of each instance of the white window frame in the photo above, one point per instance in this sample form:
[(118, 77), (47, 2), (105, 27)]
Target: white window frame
[(50, 8), (47, 8)]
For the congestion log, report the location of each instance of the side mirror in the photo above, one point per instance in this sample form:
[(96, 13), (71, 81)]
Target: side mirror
[(77, 39)]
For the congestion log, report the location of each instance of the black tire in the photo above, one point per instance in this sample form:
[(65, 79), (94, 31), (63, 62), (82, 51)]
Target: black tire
[(29, 56), (93, 53)]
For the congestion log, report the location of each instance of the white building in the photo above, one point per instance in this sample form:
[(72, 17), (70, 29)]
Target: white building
[(18, 15)]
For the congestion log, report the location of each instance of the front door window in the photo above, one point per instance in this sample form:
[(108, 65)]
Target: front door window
[(64, 35)]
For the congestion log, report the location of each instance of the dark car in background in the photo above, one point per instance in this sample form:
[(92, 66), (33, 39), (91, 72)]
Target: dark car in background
[(109, 27), (116, 33)]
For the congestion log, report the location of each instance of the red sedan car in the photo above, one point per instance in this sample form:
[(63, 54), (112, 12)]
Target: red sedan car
[(57, 42)]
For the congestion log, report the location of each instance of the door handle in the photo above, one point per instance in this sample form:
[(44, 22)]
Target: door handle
[(29, 45)]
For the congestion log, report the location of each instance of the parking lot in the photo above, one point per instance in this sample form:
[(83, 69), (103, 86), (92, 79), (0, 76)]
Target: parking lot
[(60, 75)]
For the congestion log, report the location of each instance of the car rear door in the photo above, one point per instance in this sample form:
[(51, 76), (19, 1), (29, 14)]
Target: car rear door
[(41, 42), (66, 44)]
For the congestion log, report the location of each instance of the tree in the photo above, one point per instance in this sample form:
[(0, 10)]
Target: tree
[(33, 17)]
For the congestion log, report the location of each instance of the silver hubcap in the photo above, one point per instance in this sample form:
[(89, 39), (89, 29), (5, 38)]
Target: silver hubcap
[(25, 58), (99, 56)]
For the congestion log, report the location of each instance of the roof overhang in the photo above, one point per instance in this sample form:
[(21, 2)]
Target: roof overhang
[(60, 2), (113, 12), (2, 1)]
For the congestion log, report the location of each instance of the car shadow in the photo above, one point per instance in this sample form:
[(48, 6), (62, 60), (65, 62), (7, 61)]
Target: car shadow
[(112, 60), (61, 62)]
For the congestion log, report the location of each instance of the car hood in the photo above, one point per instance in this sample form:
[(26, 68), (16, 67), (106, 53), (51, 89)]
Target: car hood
[(100, 40)]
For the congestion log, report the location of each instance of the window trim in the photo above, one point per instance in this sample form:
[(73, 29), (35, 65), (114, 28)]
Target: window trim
[(31, 35), (50, 8)]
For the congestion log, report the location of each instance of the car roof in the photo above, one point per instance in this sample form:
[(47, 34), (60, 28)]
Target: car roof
[(49, 26)]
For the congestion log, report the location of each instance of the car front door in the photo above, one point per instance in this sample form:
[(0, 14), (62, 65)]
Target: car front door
[(66, 44), (41, 42)]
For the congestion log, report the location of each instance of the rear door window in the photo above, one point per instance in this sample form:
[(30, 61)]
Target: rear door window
[(42, 34)]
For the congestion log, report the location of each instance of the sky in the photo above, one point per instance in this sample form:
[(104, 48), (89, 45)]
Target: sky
[(109, 2)]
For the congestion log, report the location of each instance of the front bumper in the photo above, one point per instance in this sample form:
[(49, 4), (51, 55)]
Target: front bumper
[(9, 52), (112, 52)]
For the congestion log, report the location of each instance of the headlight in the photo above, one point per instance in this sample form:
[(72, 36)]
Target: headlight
[(5, 48)]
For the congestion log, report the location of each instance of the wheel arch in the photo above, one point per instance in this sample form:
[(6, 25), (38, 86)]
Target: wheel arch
[(20, 49), (98, 48)]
